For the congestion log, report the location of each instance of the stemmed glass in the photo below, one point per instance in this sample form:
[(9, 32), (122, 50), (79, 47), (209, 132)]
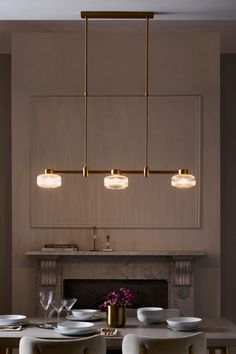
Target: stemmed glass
[(69, 303), (58, 306), (45, 298)]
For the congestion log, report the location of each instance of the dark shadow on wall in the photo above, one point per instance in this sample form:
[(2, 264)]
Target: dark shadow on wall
[(5, 183), (228, 186)]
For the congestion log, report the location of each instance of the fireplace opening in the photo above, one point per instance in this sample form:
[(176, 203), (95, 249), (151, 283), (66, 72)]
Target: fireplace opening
[(91, 292)]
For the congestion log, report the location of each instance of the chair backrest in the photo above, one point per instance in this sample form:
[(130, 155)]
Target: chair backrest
[(192, 344), (168, 313), (89, 345)]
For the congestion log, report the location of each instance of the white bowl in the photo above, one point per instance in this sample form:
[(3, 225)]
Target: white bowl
[(150, 310), (146, 319), (75, 327), (148, 315), (84, 314), (184, 322)]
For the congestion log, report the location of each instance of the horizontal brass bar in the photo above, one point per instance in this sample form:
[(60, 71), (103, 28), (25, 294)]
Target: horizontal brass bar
[(68, 171), (163, 172), (116, 14), (128, 172)]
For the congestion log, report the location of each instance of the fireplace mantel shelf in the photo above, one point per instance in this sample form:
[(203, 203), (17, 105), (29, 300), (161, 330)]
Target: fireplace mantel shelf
[(117, 253)]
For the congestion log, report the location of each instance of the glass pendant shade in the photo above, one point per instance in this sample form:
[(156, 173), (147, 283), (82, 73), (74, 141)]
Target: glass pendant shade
[(49, 180), (183, 180), (116, 181)]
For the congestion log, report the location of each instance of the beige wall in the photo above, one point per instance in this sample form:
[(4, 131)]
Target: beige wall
[(180, 64), (5, 183)]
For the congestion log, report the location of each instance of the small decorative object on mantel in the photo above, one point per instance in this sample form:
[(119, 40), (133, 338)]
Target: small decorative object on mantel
[(115, 304), (94, 239), (70, 247), (107, 249)]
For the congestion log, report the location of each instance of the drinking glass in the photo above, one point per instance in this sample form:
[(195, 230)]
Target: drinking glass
[(69, 303), (58, 306), (45, 298)]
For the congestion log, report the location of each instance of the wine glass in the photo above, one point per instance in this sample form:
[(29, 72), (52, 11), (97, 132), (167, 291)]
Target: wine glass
[(58, 306), (69, 303), (45, 298)]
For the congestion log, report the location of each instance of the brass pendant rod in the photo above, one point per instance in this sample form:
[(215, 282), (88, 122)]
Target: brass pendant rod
[(116, 14), (86, 93), (146, 94), (99, 172)]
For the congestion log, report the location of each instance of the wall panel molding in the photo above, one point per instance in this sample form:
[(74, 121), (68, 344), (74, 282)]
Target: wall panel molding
[(116, 129)]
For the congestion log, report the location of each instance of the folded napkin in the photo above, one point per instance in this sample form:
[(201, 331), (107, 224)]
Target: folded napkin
[(10, 328)]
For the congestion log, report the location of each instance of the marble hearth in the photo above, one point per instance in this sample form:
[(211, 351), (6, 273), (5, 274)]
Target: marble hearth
[(176, 268)]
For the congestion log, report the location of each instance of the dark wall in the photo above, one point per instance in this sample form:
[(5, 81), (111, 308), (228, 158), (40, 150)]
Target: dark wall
[(228, 184), (5, 183)]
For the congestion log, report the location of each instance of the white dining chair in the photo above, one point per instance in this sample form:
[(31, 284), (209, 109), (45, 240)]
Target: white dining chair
[(89, 345), (192, 344)]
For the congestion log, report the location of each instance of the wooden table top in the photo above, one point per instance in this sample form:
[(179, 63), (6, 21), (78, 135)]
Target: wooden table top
[(218, 331)]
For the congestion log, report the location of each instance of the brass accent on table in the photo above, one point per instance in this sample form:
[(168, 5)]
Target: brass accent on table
[(115, 316)]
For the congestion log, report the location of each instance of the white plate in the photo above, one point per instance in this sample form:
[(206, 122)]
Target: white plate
[(184, 330), (69, 326), (184, 322), (75, 326), (185, 327), (9, 320), (92, 331), (94, 318)]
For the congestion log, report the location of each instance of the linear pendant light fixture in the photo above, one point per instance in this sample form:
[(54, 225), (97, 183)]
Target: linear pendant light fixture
[(116, 180)]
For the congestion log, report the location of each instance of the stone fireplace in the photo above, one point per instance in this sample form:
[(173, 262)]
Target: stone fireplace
[(169, 274)]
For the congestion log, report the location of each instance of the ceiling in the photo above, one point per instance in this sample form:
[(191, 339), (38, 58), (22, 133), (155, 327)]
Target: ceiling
[(70, 9), (171, 15)]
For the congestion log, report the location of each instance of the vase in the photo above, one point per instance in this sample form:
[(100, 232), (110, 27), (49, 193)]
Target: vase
[(115, 316)]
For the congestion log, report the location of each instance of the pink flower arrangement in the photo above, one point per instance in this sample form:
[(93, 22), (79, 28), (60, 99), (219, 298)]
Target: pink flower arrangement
[(122, 297)]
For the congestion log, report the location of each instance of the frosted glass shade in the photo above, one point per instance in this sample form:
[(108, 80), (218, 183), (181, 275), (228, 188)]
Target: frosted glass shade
[(116, 181), (183, 180), (49, 180)]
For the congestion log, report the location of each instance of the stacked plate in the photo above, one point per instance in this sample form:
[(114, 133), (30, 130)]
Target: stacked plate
[(12, 320), (184, 323), (149, 315), (75, 328)]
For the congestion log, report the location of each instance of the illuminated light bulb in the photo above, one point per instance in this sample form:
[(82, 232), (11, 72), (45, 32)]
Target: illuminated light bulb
[(49, 180), (116, 181), (183, 180)]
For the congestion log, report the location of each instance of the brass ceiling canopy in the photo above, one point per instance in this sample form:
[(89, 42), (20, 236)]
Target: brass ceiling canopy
[(116, 180), (117, 14)]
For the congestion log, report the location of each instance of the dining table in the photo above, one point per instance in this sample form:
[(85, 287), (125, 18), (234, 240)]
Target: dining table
[(220, 333)]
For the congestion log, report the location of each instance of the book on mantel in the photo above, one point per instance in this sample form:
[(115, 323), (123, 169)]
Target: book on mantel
[(56, 247)]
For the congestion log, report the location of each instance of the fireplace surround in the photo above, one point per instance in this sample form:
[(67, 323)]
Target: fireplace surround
[(175, 269)]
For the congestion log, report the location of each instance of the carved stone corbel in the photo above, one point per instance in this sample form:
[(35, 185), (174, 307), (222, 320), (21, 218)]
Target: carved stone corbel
[(183, 271), (48, 271)]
